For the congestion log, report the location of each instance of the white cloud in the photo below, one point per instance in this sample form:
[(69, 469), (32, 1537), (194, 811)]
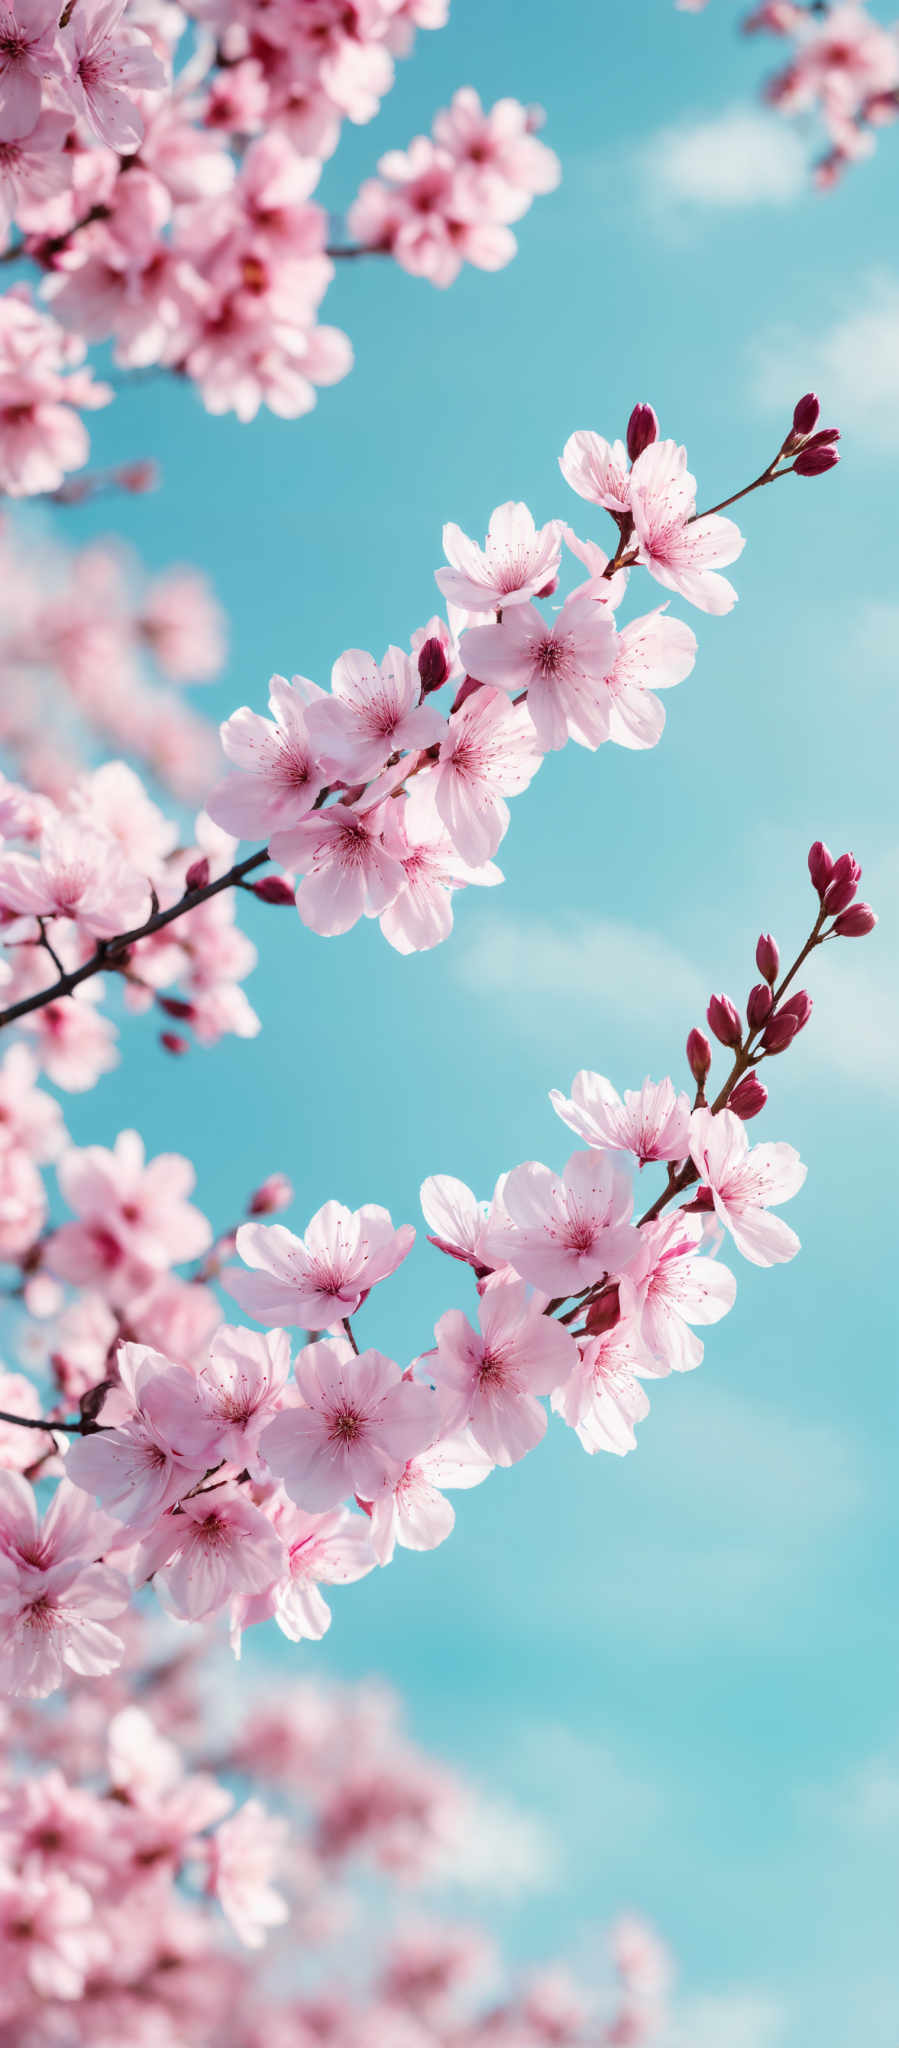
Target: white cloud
[(855, 362), (741, 157), (729, 2019), (614, 968)]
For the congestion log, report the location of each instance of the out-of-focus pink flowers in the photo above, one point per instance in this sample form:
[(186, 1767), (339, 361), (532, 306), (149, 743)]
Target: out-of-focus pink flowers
[(55, 1601), (133, 1217), (43, 391)]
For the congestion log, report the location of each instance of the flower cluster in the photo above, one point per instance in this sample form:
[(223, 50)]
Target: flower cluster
[(136, 1844), (843, 68), (241, 1479), (159, 166), (91, 650)]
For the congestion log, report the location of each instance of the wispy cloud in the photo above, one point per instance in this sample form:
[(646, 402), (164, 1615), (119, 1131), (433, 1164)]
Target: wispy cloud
[(729, 2019), (615, 969), (739, 158), (854, 361)]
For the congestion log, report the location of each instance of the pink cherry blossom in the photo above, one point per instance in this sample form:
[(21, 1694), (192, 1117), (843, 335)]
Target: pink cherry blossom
[(673, 1288), (23, 1203), (564, 1231), (184, 625), (347, 870), (652, 653), (562, 664), (490, 752), (73, 1042), (374, 712), (745, 1179), (602, 1398), (491, 1378), (517, 561), (28, 54), (247, 1850), (332, 1549), (109, 60), (359, 1423), (18, 1396), (421, 913), (459, 1222), (55, 1601), (314, 1281), (652, 1122), (133, 1218), (680, 550), (414, 1513), (47, 1935), (33, 167), (240, 1387), (81, 875), (597, 470), (217, 1546), (155, 1444), (276, 775)]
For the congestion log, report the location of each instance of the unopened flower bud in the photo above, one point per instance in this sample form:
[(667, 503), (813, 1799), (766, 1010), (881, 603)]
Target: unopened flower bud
[(273, 889), (779, 1032), (806, 414), (825, 439), (748, 1098), (725, 1020), (814, 461), (767, 957), (138, 477), (175, 1006), (856, 922), (843, 884), (604, 1313), (799, 1006), (642, 430), (466, 689), (433, 667), (699, 1056), (758, 1004), (173, 1042), (91, 1404), (197, 874), (820, 865), (275, 1193)]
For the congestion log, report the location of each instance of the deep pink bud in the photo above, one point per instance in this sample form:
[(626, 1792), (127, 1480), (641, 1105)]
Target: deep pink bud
[(748, 1098), (779, 1032), (642, 430), (175, 1006), (758, 1004), (273, 889), (699, 1056), (820, 865), (825, 439), (433, 667), (197, 874), (806, 414), (767, 957), (814, 461), (856, 922), (725, 1020), (843, 884), (702, 1202), (275, 1193), (799, 1006), (138, 477), (466, 689), (173, 1042), (604, 1313)]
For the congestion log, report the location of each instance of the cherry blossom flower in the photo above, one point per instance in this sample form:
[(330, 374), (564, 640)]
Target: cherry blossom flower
[(359, 1423), (671, 1288), (276, 775), (217, 1546), (32, 167), (491, 1378), (602, 1398), (680, 550), (652, 653), (246, 1851), (23, 1203), (28, 54), (18, 1396), (55, 1601), (133, 1219), (347, 870), (489, 752), (314, 1281), (518, 561), (42, 393), (421, 913), (73, 1042), (109, 60), (414, 1513), (240, 1387), (47, 1935), (562, 665), (744, 1180), (652, 1122), (156, 1442), (374, 712), (332, 1549), (564, 1231), (459, 1222), (597, 470), (81, 875)]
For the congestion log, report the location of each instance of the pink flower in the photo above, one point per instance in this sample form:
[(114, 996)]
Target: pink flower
[(652, 653), (359, 1423), (81, 874), (218, 1545), (374, 712), (652, 1122), (19, 1447), (414, 1513), (517, 561), (113, 800), (458, 1220), (34, 167), (156, 1442), (49, 1936), (314, 1281), (502, 164), (421, 914), (133, 1219), (348, 872), (602, 1398), (240, 1387), (564, 1231), (333, 1549), (679, 550), (744, 1180), (181, 621), (105, 58), (489, 753), (491, 1379), (28, 54), (246, 1851), (73, 1042), (597, 470), (23, 1203), (673, 1288), (55, 1601), (276, 774), (41, 433), (561, 664)]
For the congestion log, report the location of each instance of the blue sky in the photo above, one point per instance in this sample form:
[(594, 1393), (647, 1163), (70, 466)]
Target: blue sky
[(682, 1662)]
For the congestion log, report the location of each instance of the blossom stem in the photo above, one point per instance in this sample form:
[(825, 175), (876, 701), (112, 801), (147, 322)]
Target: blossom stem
[(768, 476)]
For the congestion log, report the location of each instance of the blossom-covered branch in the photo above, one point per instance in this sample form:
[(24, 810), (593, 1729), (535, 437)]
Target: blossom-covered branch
[(234, 1480)]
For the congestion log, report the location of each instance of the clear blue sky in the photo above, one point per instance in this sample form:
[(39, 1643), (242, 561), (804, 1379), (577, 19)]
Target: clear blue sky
[(683, 1661)]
